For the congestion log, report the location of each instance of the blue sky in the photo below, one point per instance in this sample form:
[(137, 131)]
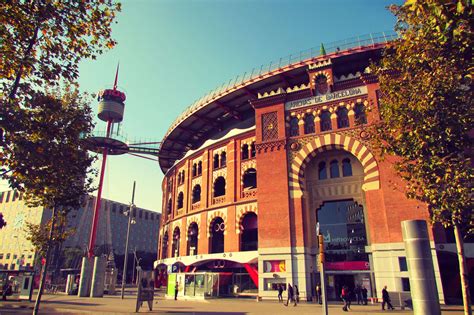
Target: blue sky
[(173, 52)]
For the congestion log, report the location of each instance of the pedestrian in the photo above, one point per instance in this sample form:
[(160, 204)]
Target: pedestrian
[(358, 294), (290, 296), (344, 297), (386, 299), (176, 289), (280, 293), (297, 295), (318, 294), (364, 295), (6, 290), (349, 297)]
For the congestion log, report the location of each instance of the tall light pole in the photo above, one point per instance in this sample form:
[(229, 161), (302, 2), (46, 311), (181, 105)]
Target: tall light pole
[(130, 221)]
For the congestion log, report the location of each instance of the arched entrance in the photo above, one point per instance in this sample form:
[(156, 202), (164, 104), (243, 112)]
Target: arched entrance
[(216, 240), (192, 246), (335, 198), (249, 235)]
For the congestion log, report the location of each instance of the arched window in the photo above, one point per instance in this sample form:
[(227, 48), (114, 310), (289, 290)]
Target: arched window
[(250, 179), (245, 152), (342, 117), (180, 200), (196, 194), (219, 186), (164, 246), (193, 232), (360, 116), (175, 244), (294, 129), (179, 178), (223, 159), (334, 169), (217, 236), (308, 124), (216, 160), (322, 171), (168, 207), (326, 121), (346, 168), (253, 152), (199, 168), (194, 169), (249, 235)]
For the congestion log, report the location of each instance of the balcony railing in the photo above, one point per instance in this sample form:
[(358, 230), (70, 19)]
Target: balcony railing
[(196, 205), (249, 193)]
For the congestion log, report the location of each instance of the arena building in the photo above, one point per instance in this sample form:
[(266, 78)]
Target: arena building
[(252, 169)]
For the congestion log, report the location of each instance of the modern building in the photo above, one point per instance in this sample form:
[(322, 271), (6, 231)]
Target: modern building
[(253, 169), (16, 251)]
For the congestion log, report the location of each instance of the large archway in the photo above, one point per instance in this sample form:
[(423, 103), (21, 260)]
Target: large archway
[(333, 181)]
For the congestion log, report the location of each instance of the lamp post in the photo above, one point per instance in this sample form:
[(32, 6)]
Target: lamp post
[(131, 220)]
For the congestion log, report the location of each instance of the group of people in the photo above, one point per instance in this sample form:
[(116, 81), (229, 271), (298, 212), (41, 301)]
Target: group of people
[(360, 294), (293, 294)]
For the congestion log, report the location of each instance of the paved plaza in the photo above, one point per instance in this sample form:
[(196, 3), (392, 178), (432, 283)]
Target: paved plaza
[(64, 304)]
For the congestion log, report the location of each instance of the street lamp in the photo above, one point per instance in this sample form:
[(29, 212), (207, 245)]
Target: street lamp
[(131, 220)]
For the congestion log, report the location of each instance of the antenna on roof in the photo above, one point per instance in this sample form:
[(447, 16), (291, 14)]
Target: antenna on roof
[(116, 76)]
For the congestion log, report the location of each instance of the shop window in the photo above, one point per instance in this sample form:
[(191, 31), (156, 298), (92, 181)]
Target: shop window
[(326, 121), (219, 186), (360, 116), (334, 169), (245, 152), (250, 179), (180, 200), (196, 194), (342, 117), (322, 171), (346, 168), (308, 124), (223, 159), (294, 129)]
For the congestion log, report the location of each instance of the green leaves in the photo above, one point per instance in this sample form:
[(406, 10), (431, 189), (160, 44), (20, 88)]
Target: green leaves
[(427, 108)]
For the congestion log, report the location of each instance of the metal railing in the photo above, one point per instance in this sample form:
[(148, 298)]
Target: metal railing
[(283, 62)]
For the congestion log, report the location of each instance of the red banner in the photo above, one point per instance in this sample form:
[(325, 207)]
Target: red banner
[(348, 265)]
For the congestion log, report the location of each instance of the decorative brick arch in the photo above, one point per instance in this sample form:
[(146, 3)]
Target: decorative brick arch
[(214, 214), (333, 141), (241, 212)]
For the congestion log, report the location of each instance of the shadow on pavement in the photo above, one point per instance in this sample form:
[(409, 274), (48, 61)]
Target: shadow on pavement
[(50, 302)]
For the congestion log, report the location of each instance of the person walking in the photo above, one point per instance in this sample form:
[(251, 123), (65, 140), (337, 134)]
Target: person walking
[(318, 294), (280, 293), (297, 295), (358, 294), (290, 295), (344, 297), (386, 299), (6, 290), (363, 291), (176, 289)]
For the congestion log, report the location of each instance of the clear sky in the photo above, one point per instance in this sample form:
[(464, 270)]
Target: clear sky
[(173, 52)]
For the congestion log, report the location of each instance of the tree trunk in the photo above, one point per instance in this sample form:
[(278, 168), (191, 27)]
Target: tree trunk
[(463, 271), (45, 267)]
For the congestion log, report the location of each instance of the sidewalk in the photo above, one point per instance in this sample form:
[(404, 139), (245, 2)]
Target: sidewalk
[(64, 304)]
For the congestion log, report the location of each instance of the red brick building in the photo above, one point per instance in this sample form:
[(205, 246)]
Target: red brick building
[(251, 169)]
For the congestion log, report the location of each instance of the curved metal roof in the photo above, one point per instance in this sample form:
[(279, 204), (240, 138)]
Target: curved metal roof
[(230, 104)]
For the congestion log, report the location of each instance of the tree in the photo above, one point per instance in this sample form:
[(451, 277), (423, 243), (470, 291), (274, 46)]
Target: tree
[(427, 112), (48, 159)]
